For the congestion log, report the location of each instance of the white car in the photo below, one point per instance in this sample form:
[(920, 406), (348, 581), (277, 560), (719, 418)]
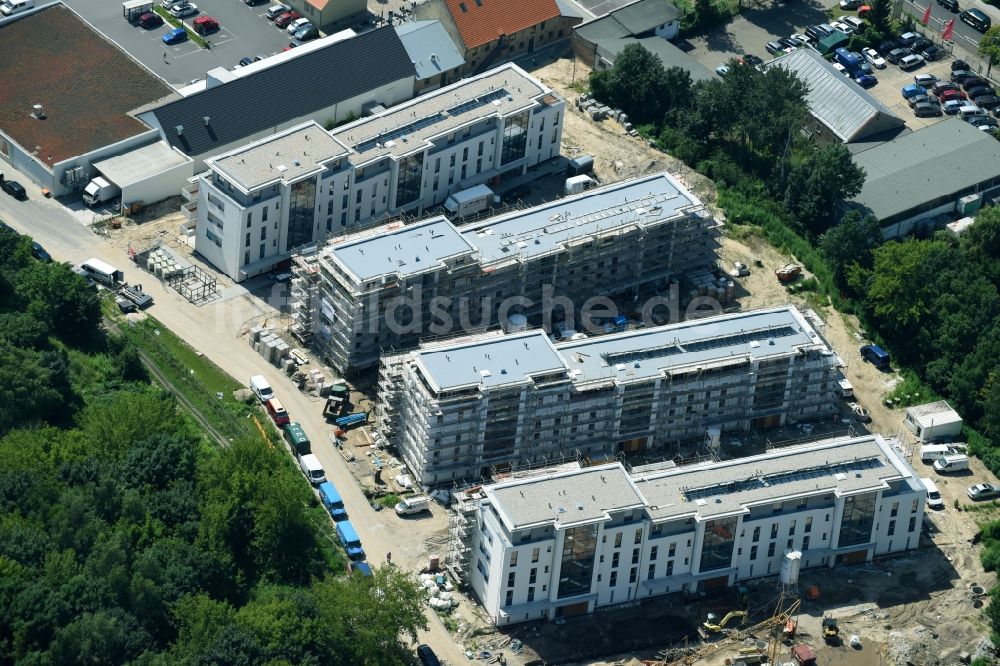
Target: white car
[(840, 68), (183, 9), (843, 27), (873, 58), (296, 24), (850, 4)]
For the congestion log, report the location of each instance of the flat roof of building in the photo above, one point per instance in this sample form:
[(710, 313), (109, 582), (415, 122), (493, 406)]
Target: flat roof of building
[(937, 161), (51, 58), (844, 466), (728, 338), (285, 156), (412, 125), (564, 499), (488, 362), (139, 164), (934, 413), (405, 250), (543, 229)]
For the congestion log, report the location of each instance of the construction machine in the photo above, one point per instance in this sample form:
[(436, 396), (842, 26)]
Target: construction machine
[(708, 628), (831, 632)]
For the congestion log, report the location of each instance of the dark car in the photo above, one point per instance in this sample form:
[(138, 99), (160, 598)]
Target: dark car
[(991, 102), (39, 252), (897, 54), (960, 75), (982, 121), (14, 189), (960, 64), (865, 80), (933, 52), (774, 48), (926, 110), (887, 46), (979, 91), (427, 656), (752, 60), (920, 44), (942, 86), (974, 82), (791, 42), (246, 61), (950, 5), (306, 33), (149, 20), (284, 19), (920, 99)]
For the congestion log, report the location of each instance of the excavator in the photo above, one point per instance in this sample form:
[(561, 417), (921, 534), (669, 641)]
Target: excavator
[(831, 632), (708, 628)]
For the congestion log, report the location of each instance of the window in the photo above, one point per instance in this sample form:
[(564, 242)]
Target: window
[(756, 534), (809, 525), (262, 246), (717, 545), (635, 556), (510, 598), (451, 162), (753, 552), (248, 241), (510, 578), (437, 165), (789, 544), (357, 197), (638, 536), (513, 558), (263, 214), (263, 233), (534, 555), (670, 568), (805, 542), (791, 529), (577, 570), (652, 553), (249, 219), (651, 573), (531, 594), (858, 516), (672, 550), (480, 152), (892, 527), (246, 258), (614, 560), (465, 154), (894, 510), (532, 575), (774, 530), (913, 507), (613, 580), (633, 574), (913, 524), (770, 549), (618, 540)]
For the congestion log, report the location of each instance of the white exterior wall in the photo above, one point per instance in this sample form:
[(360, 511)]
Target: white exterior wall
[(668, 30), (687, 540), (166, 184)]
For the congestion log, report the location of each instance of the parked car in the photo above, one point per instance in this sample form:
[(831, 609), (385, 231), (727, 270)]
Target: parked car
[(204, 25), (925, 80), (991, 102), (873, 58), (840, 68), (983, 122), (752, 60), (952, 106), (983, 491), (960, 75), (854, 22), (864, 10), (960, 64), (897, 54), (182, 9), (850, 4), (920, 99), (721, 70), (14, 189), (920, 44), (950, 5), (38, 252), (911, 62), (907, 38), (940, 86), (150, 20), (427, 656), (295, 25), (274, 11), (792, 42), (843, 27), (306, 33), (283, 20), (974, 82), (247, 60), (175, 36), (775, 48), (979, 91), (933, 52), (865, 80), (926, 110), (804, 39), (912, 89), (951, 95), (976, 19)]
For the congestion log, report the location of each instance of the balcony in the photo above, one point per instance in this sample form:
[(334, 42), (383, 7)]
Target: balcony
[(190, 210), (190, 191)]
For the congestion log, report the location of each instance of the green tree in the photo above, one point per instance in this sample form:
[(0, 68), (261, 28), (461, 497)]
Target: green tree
[(881, 15), (640, 86), (54, 294), (850, 243), (34, 386), (989, 47), (818, 181)]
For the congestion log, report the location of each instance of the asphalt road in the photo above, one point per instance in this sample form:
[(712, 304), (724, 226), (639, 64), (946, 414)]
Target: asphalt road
[(213, 329), (245, 31)]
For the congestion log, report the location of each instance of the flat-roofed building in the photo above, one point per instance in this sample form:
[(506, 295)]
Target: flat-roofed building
[(554, 545), (457, 410), (315, 184), (391, 287)]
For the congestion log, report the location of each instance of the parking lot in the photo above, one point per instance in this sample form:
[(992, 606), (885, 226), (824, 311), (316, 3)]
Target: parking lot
[(244, 32)]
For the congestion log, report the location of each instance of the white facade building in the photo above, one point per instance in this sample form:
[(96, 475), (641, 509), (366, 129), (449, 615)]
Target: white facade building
[(403, 160), (933, 421), (563, 544)]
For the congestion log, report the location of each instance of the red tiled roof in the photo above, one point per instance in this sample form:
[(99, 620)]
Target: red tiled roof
[(85, 85), (481, 21)]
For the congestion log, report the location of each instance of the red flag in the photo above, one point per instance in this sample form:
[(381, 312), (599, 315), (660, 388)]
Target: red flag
[(927, 16), (949, 29)]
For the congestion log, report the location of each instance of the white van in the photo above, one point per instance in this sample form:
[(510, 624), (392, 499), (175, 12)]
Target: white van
[(931, 452), (261, 388), (951, 463), (11, 7), (934, 500), (411, 505), (312, 468), (970, 110)]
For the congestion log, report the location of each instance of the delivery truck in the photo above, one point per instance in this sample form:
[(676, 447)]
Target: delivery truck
[(100, 190), (471, 201)]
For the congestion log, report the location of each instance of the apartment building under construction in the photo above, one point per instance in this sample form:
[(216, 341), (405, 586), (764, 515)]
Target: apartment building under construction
[(394, 286), (456, 410)]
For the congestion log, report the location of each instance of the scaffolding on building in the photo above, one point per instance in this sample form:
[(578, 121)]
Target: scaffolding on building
[(304, 303)]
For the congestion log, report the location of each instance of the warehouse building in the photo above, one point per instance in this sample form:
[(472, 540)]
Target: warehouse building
[(390, 288), (556, 545), (257, 203), (457, 410)]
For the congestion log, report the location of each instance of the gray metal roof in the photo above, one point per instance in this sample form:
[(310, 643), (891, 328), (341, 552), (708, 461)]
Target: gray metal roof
[(836, 101), (645, 15), (549, 227), (936, 161), (602, 28), (140, 164), (432, 51), (293, 89), (403, 251), (566, 498), (844, 466), (669, 55), (569, 9), (729, 338), (489, 361), (286, 156)]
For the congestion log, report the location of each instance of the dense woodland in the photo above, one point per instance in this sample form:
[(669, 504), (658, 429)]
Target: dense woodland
[(127, 537), (932, 300)]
